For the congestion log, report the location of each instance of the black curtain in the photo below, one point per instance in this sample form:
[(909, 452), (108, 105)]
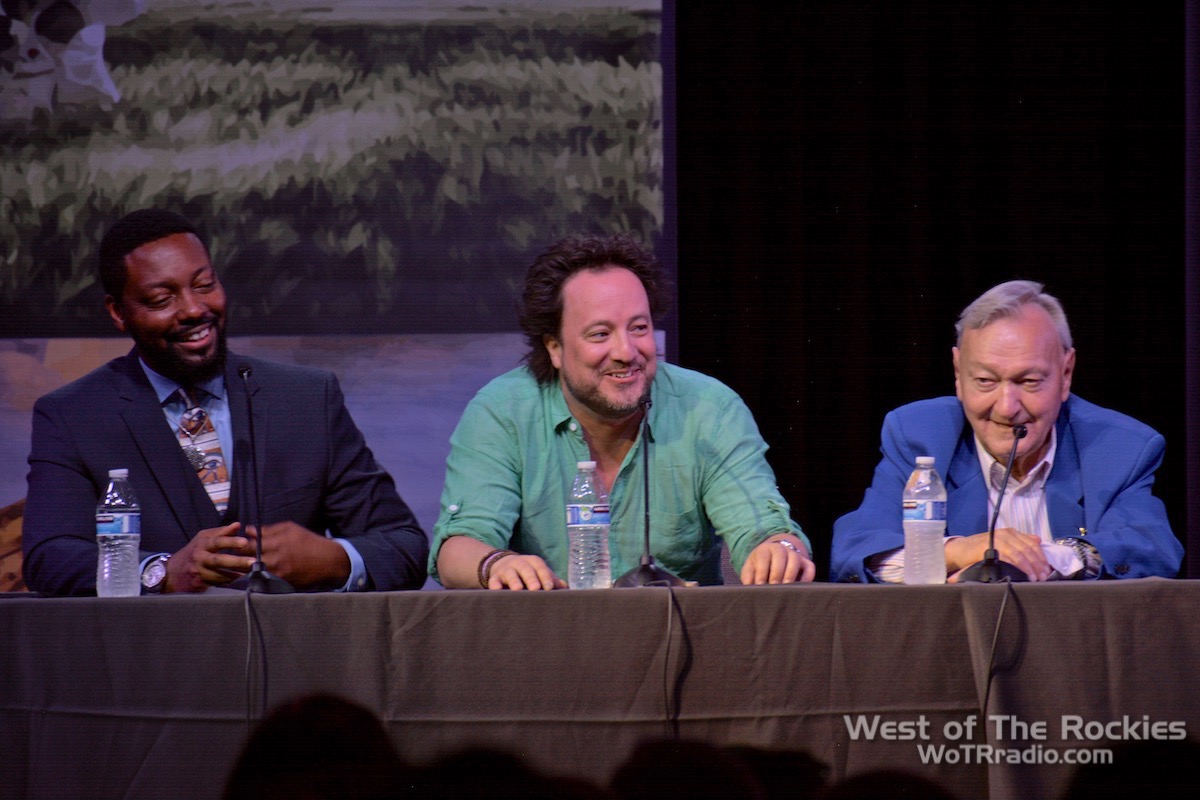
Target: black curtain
[(851, 174)]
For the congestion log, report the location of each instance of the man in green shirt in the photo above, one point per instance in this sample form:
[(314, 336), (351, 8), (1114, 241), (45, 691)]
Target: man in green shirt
[(588, 311)]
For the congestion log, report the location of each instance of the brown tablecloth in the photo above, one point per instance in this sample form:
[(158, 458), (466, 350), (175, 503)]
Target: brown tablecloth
[(122, 697)]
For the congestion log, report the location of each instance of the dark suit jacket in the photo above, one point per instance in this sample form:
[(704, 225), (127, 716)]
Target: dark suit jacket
[(1101, 480), (315, 468)]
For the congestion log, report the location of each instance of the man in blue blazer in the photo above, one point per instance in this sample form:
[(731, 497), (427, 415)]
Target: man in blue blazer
[(331, 516), (1079, 501)]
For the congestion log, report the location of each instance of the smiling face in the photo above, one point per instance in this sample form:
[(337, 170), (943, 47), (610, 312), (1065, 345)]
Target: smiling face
[(173, 306), (1014, 370), (605, 352)]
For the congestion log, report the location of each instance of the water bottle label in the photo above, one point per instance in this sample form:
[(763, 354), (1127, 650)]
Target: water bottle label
[(118, 522), (586, 514), (924, 509)]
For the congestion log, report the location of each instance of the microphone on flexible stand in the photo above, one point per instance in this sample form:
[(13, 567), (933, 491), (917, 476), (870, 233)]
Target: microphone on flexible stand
[(259, 580), (992, 569), (647, 573)]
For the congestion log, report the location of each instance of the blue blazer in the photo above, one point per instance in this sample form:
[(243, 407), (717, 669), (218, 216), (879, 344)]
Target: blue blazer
[(315, 469), (1101, 482)]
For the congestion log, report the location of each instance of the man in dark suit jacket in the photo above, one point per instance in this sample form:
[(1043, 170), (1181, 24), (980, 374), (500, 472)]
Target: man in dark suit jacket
[(331, 516), (1081, 479)]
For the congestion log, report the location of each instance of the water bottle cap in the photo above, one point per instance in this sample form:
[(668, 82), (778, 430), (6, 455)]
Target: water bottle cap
[(925, 461), (586, 465), (118, 473)]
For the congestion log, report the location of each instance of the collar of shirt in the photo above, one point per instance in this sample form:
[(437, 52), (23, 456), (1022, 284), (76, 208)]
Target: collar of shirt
[(215, 403), (562, 421), (993, 469), (559, 414), (165, 388), (560, 417), (1024, 506)]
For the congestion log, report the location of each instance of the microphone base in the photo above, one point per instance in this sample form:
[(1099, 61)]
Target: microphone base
[(260, 581), (992, 571), (648, 574)]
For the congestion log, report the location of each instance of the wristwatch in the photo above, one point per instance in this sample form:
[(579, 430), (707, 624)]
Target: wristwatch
[(154, 575), (1088, 555)]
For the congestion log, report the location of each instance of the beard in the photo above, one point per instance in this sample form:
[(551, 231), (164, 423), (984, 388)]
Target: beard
[(590, 397), (170, 363)]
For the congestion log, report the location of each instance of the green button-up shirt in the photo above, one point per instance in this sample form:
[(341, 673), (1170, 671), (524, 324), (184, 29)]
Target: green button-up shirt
[(514, 454)]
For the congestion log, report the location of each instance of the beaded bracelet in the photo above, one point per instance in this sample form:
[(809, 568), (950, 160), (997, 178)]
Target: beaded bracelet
[(485, 564)]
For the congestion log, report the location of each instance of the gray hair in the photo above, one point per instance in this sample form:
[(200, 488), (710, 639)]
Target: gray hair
[(1006, 300)]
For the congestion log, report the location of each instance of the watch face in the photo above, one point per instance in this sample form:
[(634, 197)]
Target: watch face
[(155, 574)]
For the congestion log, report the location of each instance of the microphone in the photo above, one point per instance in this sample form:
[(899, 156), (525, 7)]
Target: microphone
[(259, 580), (992, 569), (647, 573)]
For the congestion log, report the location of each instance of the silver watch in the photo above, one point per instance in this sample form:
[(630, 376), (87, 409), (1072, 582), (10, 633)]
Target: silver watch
[(154, 575), (1089, 556)]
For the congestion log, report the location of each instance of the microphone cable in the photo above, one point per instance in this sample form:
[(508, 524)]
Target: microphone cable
[(672, 694), (254, 632), (1019, 432), (991, 660)]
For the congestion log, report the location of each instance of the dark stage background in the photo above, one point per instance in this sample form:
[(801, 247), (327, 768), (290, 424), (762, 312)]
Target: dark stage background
[(850, 175)]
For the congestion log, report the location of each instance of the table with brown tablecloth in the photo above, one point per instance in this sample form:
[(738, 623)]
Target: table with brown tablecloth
[(114, 697)]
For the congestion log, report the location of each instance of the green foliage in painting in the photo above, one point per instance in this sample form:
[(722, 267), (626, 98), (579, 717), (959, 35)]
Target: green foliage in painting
[(349, 175)]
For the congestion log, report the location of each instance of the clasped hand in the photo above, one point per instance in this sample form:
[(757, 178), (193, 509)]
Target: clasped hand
[(219, 556)]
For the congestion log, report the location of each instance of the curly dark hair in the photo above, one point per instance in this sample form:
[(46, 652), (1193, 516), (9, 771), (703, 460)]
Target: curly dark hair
[(131, 232), (541, 299)]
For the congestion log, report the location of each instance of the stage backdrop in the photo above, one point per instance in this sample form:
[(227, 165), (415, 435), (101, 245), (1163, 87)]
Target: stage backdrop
[(373, 178), (364, 166)]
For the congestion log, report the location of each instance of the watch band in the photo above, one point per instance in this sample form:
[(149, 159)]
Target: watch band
[(1089, 556)]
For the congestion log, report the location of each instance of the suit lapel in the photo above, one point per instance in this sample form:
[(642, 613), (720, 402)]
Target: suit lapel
[(966, 492), (143, 416), (1064, 487)]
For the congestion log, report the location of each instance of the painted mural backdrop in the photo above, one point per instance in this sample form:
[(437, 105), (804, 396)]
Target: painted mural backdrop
[(358, 166), (373, 177)]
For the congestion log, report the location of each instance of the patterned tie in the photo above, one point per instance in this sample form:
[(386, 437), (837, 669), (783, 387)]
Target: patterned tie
[(202, 446)]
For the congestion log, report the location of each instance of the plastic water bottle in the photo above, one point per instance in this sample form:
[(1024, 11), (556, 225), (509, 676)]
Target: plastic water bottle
[(924, 518), (119, 535), (587, 533)]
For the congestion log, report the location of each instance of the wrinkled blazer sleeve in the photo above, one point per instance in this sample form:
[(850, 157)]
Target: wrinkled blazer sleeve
[(1125, 522), (59, 534), (927, 428)]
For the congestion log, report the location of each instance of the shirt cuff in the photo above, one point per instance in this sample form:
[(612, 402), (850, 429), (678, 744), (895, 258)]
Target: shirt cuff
[(888, 566), (1084, 561), (357, 582)]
